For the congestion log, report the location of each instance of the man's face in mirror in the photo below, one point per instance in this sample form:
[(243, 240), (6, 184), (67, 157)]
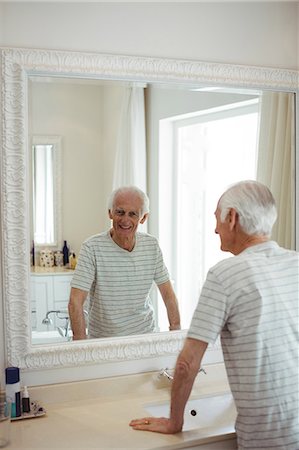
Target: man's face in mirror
[(126, 215)]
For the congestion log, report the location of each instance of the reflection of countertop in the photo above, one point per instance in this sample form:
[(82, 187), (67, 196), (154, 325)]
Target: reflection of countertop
[(37, 270), (95, 414)]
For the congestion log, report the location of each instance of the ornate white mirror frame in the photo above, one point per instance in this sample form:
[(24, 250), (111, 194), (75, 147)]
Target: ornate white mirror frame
[(16, 66)]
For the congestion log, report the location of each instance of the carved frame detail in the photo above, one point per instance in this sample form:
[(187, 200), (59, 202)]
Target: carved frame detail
[(16, 66)]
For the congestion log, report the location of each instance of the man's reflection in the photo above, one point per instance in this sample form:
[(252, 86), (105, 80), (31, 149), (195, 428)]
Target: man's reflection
[(117, 269)]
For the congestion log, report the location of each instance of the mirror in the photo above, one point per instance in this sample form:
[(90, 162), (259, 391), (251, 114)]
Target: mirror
[(20, 65), (84, 112)]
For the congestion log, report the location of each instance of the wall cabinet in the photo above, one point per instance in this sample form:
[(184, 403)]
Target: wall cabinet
[(50, 291)]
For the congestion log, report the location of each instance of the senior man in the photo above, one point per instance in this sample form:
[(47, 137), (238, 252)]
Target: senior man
[(252, 301), (117, 268)]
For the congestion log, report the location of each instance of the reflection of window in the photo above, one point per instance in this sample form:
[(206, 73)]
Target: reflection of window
[(200, 155), (45, 155)]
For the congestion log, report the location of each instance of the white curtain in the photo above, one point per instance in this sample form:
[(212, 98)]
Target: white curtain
[(276, 165), (130, 161)]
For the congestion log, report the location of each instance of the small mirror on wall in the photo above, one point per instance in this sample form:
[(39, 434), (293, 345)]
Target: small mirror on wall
[(46, 190)]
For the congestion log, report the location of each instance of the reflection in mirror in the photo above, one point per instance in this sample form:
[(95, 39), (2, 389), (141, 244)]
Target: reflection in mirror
[(208, 150), (18, 66), (46, 192), (198, 140)]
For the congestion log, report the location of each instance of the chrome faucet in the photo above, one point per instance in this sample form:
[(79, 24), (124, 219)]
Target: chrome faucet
[(62, 315), (165, 373)]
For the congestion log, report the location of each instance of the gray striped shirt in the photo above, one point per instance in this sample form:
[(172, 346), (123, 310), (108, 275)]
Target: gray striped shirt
[(252, 300), (119, 283)]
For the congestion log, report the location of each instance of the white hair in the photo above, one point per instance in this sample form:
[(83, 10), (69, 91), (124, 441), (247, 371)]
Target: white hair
[(255, 205), (130, 190)]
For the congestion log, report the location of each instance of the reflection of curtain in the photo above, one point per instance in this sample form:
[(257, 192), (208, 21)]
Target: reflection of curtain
[(276, 163), (130, 162)]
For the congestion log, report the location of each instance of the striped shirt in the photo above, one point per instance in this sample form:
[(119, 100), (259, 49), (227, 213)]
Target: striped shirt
[(252, 300), (119, 284)]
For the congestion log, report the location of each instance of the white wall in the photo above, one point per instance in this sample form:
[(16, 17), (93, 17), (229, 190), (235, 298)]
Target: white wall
[(254, 33), (86, 117), (251, 33)]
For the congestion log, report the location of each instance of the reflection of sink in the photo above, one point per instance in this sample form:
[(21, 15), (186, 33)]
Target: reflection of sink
[(212, 411), (47, 337)]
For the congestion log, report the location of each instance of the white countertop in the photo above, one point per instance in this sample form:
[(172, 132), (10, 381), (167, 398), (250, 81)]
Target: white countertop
[(63, 270), (96, 414)]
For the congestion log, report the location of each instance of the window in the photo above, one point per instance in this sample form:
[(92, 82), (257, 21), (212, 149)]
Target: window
[(199, 156), (46, 190)]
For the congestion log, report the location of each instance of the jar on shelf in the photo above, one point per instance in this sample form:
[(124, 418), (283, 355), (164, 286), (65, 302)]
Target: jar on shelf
[(58, 258), (46, 258)]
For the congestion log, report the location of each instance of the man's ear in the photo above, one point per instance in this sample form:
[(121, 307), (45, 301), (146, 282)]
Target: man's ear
[(233, 218), (145, 216), (109, 214)]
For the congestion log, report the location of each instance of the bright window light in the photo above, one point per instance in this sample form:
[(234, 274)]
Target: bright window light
[(199, 156), (43, 192)]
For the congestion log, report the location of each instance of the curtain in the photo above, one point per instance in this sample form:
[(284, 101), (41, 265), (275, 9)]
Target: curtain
[(276, 161), (130, 162)]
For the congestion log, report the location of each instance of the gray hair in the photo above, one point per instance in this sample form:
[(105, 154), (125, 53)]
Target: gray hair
[(254, 204), (130, 190)]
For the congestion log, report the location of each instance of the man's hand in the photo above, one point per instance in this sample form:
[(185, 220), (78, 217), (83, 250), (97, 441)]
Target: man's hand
[(156, 424)]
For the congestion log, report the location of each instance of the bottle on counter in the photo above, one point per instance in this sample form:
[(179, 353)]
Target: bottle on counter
[(33, 254), (13, 390), (73, 261), (25, 400), (65, 251), (5, 417)]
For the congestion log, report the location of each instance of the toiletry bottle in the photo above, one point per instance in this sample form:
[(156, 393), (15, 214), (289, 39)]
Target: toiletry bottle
[(25, 400), (73, 261), (4, 419), (33, 254), (13, 390), (65, 252)]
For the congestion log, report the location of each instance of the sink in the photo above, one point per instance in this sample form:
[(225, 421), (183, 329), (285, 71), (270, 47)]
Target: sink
[(47, 337), (203, 412)]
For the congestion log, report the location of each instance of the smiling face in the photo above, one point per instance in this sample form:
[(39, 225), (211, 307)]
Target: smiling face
[(126, 215)]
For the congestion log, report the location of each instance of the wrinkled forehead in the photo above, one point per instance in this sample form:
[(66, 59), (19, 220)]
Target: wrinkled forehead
[(128, 201)]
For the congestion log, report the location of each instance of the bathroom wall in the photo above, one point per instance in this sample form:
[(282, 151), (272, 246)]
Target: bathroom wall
[(255, 33), (251, 33), (86, 116)]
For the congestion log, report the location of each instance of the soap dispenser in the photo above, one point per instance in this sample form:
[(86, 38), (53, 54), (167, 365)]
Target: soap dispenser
[(73, 261)]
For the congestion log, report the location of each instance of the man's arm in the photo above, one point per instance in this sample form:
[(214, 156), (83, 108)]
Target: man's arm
[(171, 304), (75, 307), (187, 367)]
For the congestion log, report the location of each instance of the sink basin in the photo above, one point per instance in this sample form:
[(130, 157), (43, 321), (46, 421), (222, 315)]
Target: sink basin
[(213, 411), (47, 337)]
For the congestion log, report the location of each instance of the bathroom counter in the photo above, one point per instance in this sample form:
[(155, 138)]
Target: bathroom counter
[(96, 414), (63, 270)]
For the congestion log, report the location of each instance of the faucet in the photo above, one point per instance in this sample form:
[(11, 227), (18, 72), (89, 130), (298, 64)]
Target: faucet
[(165, 373), (61, 314)]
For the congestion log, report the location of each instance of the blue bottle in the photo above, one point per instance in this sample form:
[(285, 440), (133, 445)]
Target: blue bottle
[(65, 252), (13, 390)]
